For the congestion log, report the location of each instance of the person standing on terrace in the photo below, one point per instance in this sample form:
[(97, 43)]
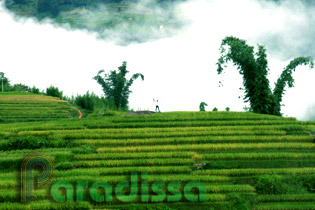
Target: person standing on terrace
[(157, 105)]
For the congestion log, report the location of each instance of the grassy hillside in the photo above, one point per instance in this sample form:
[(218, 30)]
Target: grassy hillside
[(25, 107), (243, 159)]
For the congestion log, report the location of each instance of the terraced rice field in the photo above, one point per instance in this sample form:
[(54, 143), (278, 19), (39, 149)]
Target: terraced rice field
[(16, 107), (234, 150)]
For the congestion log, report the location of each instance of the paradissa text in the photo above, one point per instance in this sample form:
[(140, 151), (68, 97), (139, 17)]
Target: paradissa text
[(103, 192)]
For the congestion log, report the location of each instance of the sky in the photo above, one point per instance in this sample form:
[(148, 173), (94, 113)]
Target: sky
[(179, 70)]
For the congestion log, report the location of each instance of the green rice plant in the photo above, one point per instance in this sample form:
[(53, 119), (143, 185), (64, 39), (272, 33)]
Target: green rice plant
[(137, 162), (216, 197), (195, 140), (6, 184), (166, 129), (10, 195), (189, 123), (229, 188), (146, 155), (257, 156), (188, 178), (285, 206), (10, 163), (92, 178), (256, 171), (45, 205), (189, 116), (286, 198), (126, 170), (259, 164), (209, 147), (13, 206), (160, 134)]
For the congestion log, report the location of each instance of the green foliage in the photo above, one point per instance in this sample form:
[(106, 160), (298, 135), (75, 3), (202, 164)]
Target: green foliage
[(93, 103), (276, 184), (238, 202), (215, 109), (202, 106), (26, 142), (54, 92), (227, 109), (309, 183), (16, 87), (254, 68), (115, 85), (5, 82)]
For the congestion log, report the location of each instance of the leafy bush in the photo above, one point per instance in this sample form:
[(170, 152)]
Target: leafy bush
[(54, 91), (239, 202), (309, 183), (26, 142), (275, 184), (215, 109), (93, 103), (227, 109), (271, 185)]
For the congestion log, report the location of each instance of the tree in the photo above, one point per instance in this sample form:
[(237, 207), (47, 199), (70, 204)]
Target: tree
[(115, 85), (5, 83), (202, 106), (54, 92), (2, 78), (93, 103), (21, 88), (254, 68)]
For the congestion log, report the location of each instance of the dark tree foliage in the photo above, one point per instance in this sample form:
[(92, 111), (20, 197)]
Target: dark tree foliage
[(5, 82), (254, 68), (54, 91), (92, 102), (21, 88), (202, 106), (16, 87), (115, 85)]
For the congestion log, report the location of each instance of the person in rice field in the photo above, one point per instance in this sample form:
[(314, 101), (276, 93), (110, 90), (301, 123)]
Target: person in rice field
[(157, 108)]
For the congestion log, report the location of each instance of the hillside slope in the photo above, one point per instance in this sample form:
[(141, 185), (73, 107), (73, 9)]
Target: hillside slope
[(241, 158), (26, 107)]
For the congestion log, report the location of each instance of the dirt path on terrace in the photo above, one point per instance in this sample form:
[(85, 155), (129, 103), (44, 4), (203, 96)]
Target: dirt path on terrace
[(139, 113), (79, 112)]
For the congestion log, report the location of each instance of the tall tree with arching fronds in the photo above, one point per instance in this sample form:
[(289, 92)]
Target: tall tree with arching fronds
[(254, 68), (115, 85)]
